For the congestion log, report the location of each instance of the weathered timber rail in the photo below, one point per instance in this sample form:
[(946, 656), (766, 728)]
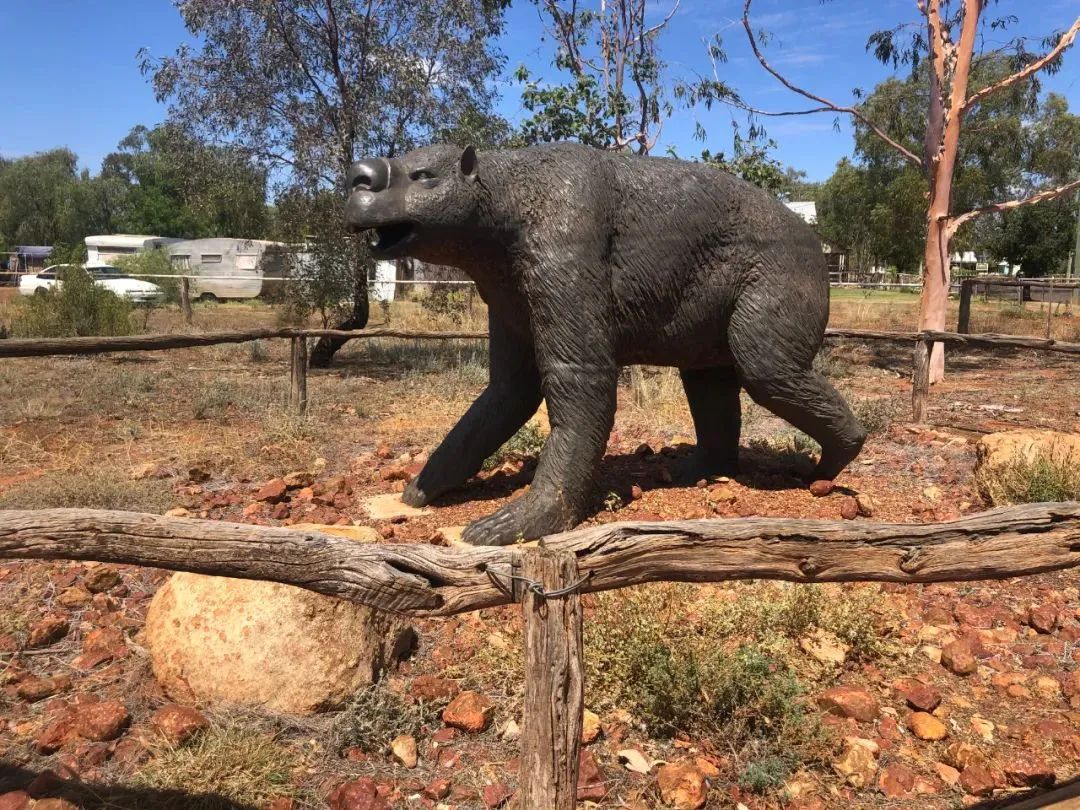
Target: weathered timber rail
[(298, 399), (424, 580)]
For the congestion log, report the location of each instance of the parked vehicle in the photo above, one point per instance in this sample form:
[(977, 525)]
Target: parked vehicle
[(226, 268), (103, 249), (133, 289)]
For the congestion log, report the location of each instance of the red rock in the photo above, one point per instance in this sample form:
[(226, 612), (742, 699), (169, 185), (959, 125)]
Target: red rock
[(918, 694), (682, 786), (384, 452), (359, 794), (948, 774), (280, 511), (957, 657), (177, 723), (439, 789), (847, 701), (1070, 685), (1044, 618), (394, 474), (470, 712), (33, 689), (635, 492), (432, 688), (449, 758), (1025, 769), (849, 508), (55, 735), (101, 579), (14, 800), (74, 597), (496, 795), (272, 491), (101, 721), (44, 783), (896, 781), (444, 735), (978, 780), (47, 631), (591, 785), (821, 488)]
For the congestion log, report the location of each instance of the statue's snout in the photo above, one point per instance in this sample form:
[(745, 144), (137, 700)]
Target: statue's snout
[(370, 174)]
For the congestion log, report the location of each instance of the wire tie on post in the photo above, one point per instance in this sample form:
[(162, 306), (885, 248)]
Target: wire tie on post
[(532, 585)]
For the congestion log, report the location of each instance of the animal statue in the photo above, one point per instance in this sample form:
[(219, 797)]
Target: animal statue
[(591, 260)]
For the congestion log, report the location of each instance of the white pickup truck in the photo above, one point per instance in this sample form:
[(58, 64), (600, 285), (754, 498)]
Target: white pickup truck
[(133, 289)]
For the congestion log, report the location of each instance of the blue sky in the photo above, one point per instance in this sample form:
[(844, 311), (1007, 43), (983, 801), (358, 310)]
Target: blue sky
[(71, 77)]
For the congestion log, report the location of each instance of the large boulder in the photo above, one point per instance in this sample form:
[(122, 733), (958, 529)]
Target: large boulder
[(214, 640), (996, 453)]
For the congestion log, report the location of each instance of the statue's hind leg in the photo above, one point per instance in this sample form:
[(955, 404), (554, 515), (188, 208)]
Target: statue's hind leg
[(713, 396), (776, 368)]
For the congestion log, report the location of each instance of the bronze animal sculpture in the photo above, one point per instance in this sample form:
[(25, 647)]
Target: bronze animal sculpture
[(591, 260)]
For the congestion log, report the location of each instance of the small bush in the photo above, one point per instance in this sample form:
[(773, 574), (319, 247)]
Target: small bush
[(446, 301), (375, 716), (213, 401), (1043, 477), (526, 443), (75, 308), (766, 774), (876, 415), (222, 766), (152, 266)]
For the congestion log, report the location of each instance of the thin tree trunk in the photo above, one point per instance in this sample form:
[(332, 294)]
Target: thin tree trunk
[(322, 354)]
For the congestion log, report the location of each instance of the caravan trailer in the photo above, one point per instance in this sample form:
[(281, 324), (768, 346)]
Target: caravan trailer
[(226, 268), (105, 249)]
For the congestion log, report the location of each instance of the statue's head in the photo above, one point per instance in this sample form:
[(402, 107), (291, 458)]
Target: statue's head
[(413, 201)]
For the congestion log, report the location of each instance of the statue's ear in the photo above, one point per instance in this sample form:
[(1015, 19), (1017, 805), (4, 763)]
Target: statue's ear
[(467, 164)]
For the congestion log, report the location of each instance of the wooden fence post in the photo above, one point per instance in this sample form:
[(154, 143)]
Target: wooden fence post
[(298, 399), (963, 322), (554, 683), (185, 299), (1049, 307), (920, 379)]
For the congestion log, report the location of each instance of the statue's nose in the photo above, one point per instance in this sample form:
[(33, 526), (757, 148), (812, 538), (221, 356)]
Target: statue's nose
[(371, 174)]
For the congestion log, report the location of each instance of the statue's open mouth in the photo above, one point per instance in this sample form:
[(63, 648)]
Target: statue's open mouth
[(390, 237)]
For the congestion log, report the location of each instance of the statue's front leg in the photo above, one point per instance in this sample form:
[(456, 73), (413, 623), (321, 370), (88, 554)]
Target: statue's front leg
[(572, 330), (511, 398)]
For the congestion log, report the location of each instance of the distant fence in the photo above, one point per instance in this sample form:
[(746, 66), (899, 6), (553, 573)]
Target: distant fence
[(298, 399)]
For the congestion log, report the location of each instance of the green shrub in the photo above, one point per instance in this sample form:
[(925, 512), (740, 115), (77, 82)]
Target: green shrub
[(874, 414), (1043, 477), (152, 265), (526, 443), (446, 300), (77, 307)]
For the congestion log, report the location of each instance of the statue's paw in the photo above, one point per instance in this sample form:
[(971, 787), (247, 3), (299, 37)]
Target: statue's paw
[(521, 520), (414, 496)]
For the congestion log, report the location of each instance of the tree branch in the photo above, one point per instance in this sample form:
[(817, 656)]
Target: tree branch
[(1066, 40), (956, 221), (827, 105)]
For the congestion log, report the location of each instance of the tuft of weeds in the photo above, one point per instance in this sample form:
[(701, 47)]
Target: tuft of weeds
[(214, 400), (1042, 477), (257, 352), (375, 716), (876, 415), (225, 765), (89, 490), (526, 443), (829, 364)]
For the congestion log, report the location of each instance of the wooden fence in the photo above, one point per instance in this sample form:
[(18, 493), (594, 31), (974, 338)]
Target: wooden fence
[(298, 399), (548, 578)]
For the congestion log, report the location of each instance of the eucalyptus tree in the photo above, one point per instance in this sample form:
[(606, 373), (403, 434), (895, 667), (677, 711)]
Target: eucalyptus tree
[(309, 86)]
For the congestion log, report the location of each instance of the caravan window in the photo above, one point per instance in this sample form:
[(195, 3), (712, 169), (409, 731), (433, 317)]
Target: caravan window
[(211, 258), (181, 261)]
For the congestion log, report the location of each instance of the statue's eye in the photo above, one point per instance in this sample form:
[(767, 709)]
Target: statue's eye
[(421, 174)]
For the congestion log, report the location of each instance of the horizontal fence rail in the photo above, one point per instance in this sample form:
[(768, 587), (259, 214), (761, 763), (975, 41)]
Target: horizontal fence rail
[(44, 347), (426, 580)]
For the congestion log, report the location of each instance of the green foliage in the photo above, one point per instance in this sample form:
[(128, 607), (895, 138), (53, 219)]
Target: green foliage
[(1039, 238), (751, 161), (152, 265), (1044, 477), (75, 307), (526, 443), (874, 414), (176, 186), (446, 301)]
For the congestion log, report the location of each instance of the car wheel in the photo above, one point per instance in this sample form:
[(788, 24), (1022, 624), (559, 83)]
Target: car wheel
[(40, 291), (208, 298)]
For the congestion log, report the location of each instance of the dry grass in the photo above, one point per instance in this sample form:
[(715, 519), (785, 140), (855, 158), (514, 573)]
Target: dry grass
[(230, 762), (1045, 477), (89, 490)]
